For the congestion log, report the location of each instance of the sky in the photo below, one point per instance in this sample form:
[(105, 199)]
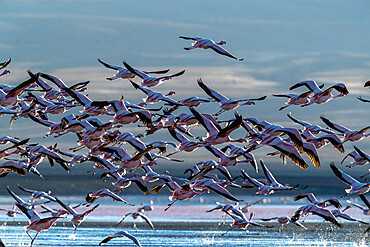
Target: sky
[(282, 43)]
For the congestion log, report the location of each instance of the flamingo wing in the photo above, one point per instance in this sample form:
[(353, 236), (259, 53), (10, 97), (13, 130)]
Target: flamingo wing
[(114, 67), (212, 93), (5, 64), (224, 52), (335, 126), (344, 177)]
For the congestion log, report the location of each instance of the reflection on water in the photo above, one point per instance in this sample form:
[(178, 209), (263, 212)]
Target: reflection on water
[(60, 236)]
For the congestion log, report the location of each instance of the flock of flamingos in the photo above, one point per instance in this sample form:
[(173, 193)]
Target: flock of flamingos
[(100, 143)]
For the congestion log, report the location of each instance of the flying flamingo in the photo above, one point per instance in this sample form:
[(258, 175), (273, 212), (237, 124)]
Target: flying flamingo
[(284, 220), (316, 210), (349, 135), (356, 186), (37, 223), (149, 81), (359, 160), (226, 103), (77, 218), (136, 215), (314, 129), (209, 44), (92, 196), (320, 96), (216, 134), (125, 73), (120, 234)]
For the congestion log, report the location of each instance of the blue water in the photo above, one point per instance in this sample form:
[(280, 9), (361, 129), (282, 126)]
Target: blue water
[(61, 236)]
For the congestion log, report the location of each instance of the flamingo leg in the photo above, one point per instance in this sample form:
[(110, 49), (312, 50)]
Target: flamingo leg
[(28, 234), (283, 107), (219, 112), (34, 238), (231, 227), (170, 205), (135, 225)]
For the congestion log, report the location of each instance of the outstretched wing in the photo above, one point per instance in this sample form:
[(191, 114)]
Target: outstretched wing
[(108, 65), (212, 93), (345, 178)]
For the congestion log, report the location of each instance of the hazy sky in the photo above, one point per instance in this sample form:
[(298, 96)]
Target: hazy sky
[(282, 42)]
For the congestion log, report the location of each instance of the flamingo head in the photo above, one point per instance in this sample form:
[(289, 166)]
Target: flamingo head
[(170, 93)]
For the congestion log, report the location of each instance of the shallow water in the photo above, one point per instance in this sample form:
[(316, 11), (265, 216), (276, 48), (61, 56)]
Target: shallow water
[(62, 236), (185, 224)]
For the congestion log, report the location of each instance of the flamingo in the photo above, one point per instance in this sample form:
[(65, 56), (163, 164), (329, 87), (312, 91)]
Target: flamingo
[(123, 116), (271, 130), (5, 72), (11, 97), (209, 44), (294, 99), (216, 134), (215, 186), (137, 179), (241, 223), (121, 234), (265, 189), (149, 81), (36, 223), (320, 96), (365, 211), (226, 103), (359, 159), (284, 220), (181, 193), (285, 148), (136, 215), (316, 210), (356, 186), (193, 101), (228, 208), (236, 151), (349, 135), (340, 214), (77, 218), (153, 97), (312, 199), (321, 141), (92, 196), (125, 73), (272, 180), (314, 129), (39, 194), (54, 128), (10, 213), (92, 108), (144, 208)]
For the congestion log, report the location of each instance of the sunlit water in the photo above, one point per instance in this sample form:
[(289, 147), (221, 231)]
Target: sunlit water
[(60, 236), (193, 211)]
